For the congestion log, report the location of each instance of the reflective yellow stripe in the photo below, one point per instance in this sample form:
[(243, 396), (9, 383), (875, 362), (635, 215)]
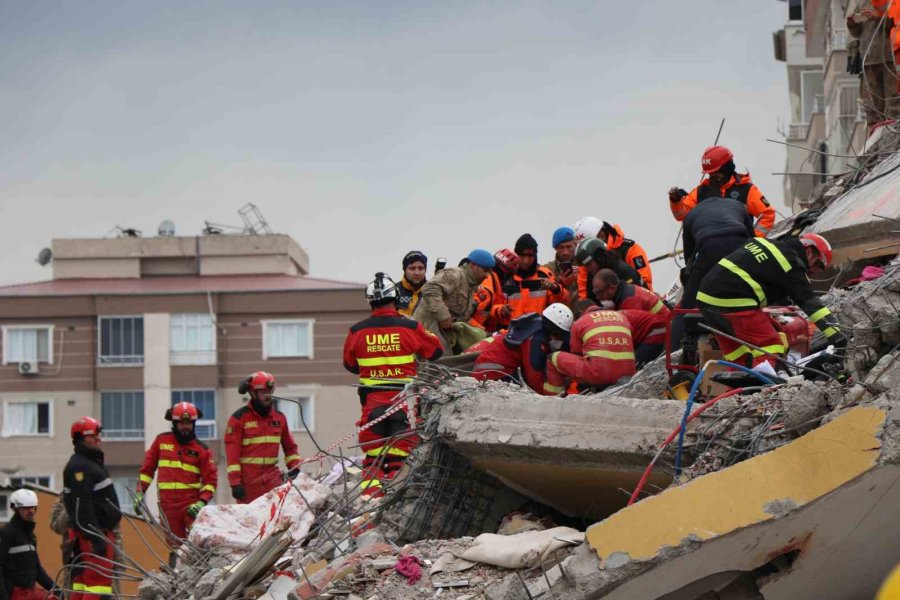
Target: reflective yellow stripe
[(819, 314), (736, 353), (386, 360), (605, 329), (742, 350), (365, 381), (611, 355), (92, 589), (760, 294), (262, 439), (209, 488), (233, 468), (553, 388), (775, 252), (725, 302), (291, 458), (830, 331), (178, 486), (259, 460), (658, 307), (146, 478), (367, 483), (177, 464), (385, 450), (553, 359)]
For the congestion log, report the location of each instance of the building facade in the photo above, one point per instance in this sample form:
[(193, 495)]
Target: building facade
[(827, 126), (129, 326)]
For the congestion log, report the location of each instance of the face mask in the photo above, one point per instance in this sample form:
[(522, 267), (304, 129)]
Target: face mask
[(555, 345)]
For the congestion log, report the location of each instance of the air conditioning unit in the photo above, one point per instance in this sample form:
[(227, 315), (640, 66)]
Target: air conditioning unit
[(28, 367)]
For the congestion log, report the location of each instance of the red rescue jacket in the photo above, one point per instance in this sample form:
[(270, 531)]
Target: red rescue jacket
[(252, 442), (183, 471)]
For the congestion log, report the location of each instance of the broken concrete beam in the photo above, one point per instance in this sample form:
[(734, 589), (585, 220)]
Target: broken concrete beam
[(790, 524), (545, 447)]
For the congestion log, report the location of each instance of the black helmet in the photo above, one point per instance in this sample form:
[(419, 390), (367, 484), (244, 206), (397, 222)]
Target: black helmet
[(586, 250)]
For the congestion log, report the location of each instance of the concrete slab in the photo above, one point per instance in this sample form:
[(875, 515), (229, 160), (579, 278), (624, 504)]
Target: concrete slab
[(575, 454)]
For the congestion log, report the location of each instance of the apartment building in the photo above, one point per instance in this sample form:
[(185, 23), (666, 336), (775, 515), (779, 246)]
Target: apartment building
[(827, 126), (129, 326)]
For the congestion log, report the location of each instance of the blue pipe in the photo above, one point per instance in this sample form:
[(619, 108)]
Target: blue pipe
[(690, 402)]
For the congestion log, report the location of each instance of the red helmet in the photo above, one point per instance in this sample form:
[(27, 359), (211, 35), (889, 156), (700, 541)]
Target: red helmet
[(85, 426), (507, 260), (820, 244), (714, 158), (183, 411), (261, 381)]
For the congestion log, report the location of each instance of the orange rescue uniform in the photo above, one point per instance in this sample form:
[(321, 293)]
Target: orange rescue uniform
[(740, 188), (527, 294), (632, 253)]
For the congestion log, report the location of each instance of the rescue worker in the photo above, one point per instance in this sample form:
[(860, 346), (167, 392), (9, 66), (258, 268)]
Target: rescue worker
[(723, 181), (93, 508), (619, 295), (187, 475), (714, 229), (252, 440), (734, 292), (382, 350), (872, 58), (592, 256), (21, 575), (525, 346), (648, 334), (447, 297), (532, 288), (601, 351), (414, 265), (491, 307), (562, 267), (628, 250)]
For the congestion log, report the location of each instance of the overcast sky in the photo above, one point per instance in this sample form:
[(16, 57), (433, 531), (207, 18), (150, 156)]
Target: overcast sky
[(366, 129)]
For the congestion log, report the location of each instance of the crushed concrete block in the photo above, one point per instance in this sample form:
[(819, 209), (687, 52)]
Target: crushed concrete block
[(208, 582)]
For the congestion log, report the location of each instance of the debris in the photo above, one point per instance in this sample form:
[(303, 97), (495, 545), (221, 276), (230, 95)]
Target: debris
[(522, 550), (408, 566)]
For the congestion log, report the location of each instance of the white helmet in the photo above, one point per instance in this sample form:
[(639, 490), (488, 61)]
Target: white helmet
[(587, 227), (560, 315), (23, 499), (381, 290)]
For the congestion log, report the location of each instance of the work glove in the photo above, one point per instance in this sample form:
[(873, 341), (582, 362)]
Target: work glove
[(194, 509), (237, 492), (676, 194), (292, 474), (99, 546), (138, 499)]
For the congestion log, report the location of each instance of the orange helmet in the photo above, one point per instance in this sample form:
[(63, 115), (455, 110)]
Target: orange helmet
[(507, 260), (820, 244), (183, 411), (261, 381), (714, 158), (85, 426)]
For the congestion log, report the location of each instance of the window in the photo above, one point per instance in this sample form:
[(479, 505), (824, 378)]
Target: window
[(811, 83), (122, 415), (4, 507), (27, 343), (193, 339), (291, 410), (287, 338), (795, 10), (27, 418), (121, 341), (205, 400), (125, 489), (41, 480)]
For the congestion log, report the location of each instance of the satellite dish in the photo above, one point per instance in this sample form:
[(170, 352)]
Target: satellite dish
[(45, 256), (167, 229)]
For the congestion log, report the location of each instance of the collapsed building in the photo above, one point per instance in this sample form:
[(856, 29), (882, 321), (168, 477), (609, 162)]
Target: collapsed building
[(790, 491)]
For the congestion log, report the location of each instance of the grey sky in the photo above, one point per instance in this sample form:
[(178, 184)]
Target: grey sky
[(368, 129)]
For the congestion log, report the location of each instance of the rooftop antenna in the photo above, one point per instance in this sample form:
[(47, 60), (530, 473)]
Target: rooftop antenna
[(44, 256), (253, 219)]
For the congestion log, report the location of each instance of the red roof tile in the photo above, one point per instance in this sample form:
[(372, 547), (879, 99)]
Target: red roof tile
[(176, 285)]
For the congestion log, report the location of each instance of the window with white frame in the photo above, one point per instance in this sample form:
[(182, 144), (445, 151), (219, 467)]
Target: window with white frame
[(41, 480), (299, 409), (192, 339), (27, 343), (811, 89), (27, 418), (205, 400), (121, 340), (288, 338), (125, 490), (122, 415)]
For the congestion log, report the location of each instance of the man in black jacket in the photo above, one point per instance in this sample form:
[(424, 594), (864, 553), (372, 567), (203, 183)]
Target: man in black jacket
[(734, 292), (93, 508), (21, 575)]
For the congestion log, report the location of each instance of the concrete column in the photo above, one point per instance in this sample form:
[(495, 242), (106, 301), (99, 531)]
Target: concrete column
[(157, 382)]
